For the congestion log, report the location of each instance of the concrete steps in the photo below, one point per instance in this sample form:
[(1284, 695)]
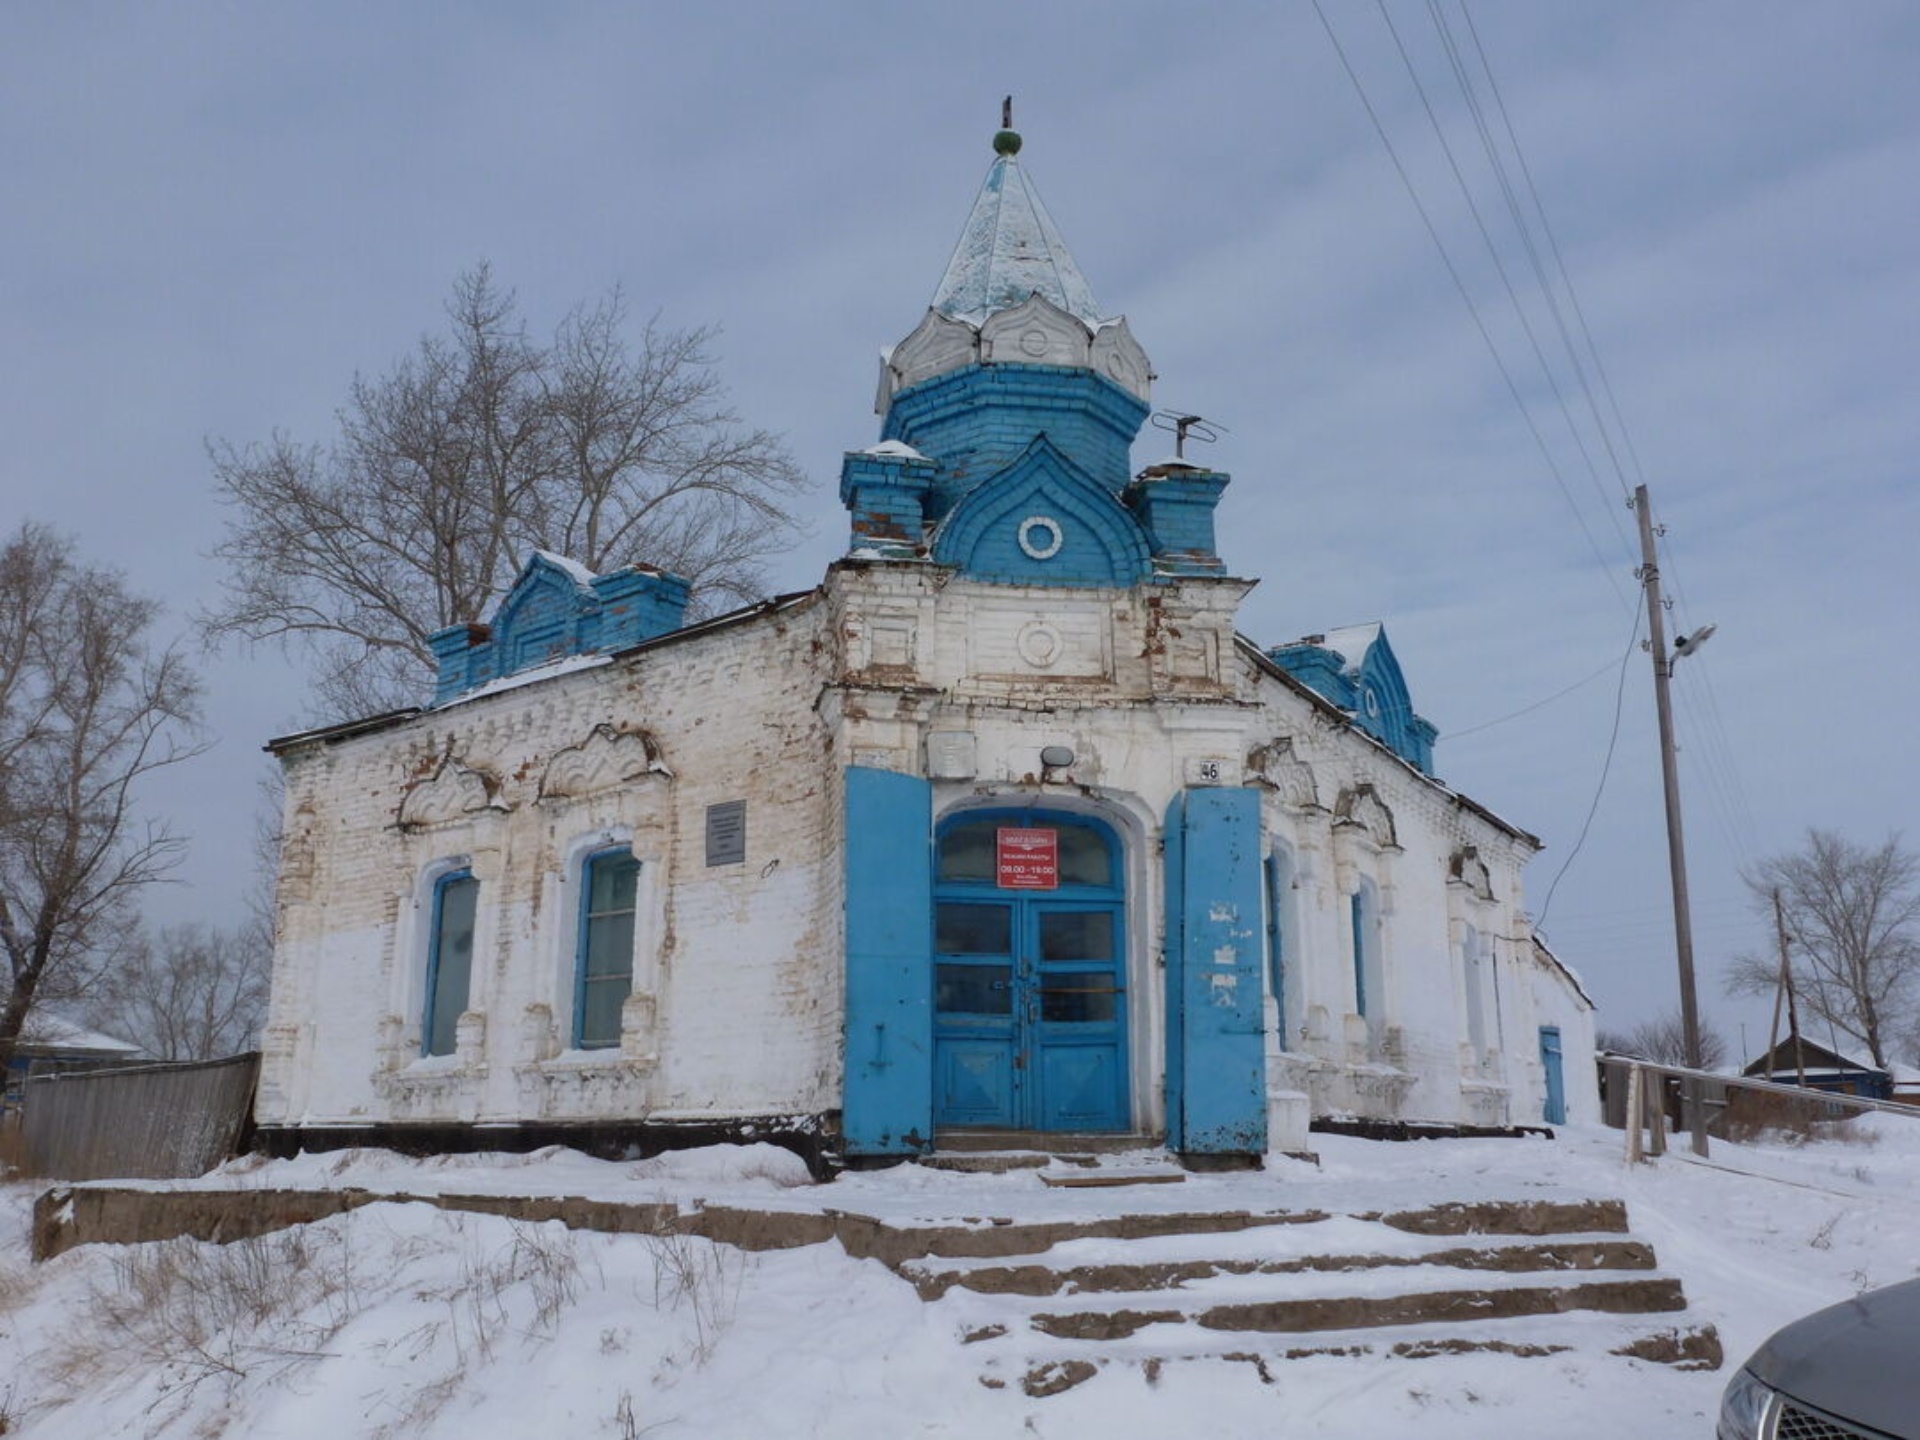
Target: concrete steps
[(1045, 1287), (1520, 1278)]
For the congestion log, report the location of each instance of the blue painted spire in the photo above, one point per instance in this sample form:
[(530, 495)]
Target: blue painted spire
[(1011, 249)]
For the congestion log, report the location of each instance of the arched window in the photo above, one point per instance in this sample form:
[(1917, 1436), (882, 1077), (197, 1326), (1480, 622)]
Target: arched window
[(1473, 956), (449, 960), (603, 962), (1369, 971), (1280, 930)]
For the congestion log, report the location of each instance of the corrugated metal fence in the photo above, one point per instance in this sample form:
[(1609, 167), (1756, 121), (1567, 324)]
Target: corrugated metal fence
[(147, 1122)]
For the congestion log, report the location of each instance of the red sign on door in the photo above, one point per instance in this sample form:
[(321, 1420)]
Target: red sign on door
[(1027, 859)]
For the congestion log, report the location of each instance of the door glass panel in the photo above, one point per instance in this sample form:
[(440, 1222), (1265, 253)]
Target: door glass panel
[(1076, 935), (1083, 857), (973, 929), (966, 851), (973, 989), (1077, 999)]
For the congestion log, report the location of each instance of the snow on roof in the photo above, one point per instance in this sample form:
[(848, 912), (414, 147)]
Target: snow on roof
[(565, 665), (1009, 250), (894, 449), (582, 576), (1351, 642), (52, 1032)]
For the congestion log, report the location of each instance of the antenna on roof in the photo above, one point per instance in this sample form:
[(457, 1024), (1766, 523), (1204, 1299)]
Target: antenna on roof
[(1184, 425)]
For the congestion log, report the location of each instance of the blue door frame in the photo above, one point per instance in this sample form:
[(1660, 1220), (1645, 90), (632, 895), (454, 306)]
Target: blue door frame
[(1030, 992)]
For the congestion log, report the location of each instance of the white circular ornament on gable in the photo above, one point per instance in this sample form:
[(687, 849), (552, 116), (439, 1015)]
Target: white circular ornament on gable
[(1036, 342), (1041, 537), (1039, 644)]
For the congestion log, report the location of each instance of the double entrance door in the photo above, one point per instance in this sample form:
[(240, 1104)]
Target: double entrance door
[(1030, 1009)]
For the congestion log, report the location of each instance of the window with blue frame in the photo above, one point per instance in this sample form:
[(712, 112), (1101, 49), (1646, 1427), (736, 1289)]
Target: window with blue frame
[(449, 960), (1279, 918), (1357, 912), (603, 972)]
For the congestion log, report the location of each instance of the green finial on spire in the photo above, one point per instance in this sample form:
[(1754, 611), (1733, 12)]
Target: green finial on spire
[(1007, 142)]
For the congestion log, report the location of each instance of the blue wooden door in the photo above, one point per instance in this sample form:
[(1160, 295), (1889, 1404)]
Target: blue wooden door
[(1030, 1017), (1555, 1110), (887, 1109), (1216, 1046)]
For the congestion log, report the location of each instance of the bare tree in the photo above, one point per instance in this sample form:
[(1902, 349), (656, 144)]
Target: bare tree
[(87, 708), (477, 448), (1664, 1042), (1853, 924), (191, 992)]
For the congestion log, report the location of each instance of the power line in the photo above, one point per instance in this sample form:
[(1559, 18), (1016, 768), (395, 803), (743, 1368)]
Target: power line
[(1466, 297), (1606, 766), (1528, 710), (1559, 260), (1499, 265)]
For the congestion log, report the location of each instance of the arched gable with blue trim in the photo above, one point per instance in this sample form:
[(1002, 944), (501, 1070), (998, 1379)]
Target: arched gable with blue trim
[(1044, 521), (1385, 706), (1370, 687), (539, 620)]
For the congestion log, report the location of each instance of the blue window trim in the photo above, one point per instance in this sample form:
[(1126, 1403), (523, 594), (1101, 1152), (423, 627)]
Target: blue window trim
[(1037, 817), (428, 1012), (1358, 909), (1279, 878), (577, 1038)]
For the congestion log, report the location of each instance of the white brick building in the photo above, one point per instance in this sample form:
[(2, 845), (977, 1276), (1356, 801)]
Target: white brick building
[(1002, 827)]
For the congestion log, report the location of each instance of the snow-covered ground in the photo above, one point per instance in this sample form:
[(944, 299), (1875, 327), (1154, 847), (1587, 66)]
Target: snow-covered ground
[(406, 1320)]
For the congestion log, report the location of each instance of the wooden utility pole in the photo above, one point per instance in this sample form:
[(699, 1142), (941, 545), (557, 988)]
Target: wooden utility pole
[(1676, 841), (1786, 985)]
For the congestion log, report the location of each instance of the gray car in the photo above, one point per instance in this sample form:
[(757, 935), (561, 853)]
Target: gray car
[(1849, 1372)]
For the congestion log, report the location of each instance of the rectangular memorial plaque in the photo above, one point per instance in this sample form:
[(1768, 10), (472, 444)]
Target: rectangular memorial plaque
[(727, 833)]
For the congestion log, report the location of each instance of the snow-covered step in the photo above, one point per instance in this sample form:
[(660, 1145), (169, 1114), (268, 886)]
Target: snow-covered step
[(1161, 1271), (1009, 1361), (1427, 1299)]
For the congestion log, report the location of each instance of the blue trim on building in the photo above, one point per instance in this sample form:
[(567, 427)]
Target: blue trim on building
[(887, 1100), (1357, 920), (1279, 887), (583, 943), (1554, 1111), (977, 420), (1019, 1040), (1373, 693), (1216, 1043), (1044, 521), (550, 613), (431, 1017)]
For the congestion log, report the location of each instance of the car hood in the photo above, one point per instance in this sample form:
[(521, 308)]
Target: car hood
[(1855, 1359)]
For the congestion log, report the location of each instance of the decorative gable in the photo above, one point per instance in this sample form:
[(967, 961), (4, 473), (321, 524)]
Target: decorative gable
[(1356, 669), (1044, 521), (1361, 809), (453, 791), (555, 610)]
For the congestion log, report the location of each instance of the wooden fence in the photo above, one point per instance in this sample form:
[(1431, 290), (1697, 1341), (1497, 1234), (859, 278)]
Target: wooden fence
[(145, 1122), (1645, 1100)]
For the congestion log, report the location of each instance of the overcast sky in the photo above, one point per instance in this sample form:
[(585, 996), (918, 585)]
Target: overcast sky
[(216, 214)]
